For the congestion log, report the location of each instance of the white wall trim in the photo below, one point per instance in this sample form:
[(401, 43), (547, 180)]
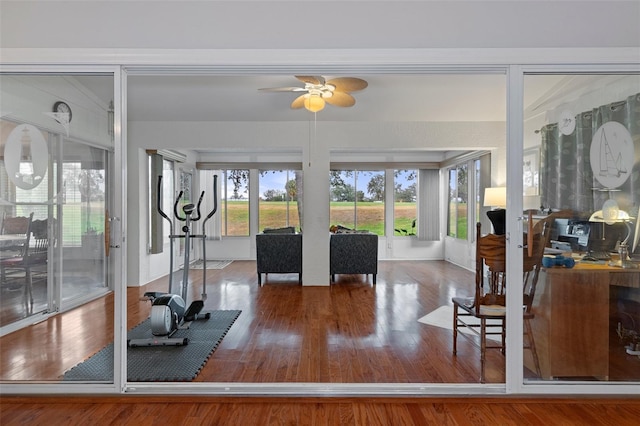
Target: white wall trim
[(323, 60)]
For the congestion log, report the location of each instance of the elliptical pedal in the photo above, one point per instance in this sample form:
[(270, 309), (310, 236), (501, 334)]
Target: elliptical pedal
[(194, 310)]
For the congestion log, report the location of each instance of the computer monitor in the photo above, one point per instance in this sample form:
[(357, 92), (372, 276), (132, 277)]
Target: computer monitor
[(605, 238)]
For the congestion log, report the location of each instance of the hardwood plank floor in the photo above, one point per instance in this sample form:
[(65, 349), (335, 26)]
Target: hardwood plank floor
[(350, 332), (316, 411)]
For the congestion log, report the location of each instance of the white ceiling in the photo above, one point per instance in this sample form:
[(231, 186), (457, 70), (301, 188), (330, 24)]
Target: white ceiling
[(388, 97), (391, 98)]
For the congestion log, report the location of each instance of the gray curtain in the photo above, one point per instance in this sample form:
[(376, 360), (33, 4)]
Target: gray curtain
[(566, 178), (428, 209)]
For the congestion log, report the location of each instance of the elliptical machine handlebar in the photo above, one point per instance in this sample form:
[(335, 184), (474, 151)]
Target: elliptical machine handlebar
[(188, 208), (159, 206)]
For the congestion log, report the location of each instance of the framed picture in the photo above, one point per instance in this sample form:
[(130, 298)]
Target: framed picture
[(530, 171)]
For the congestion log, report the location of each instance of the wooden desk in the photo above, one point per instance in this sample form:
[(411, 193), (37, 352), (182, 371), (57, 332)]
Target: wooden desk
[(571, 326), (11, 239)]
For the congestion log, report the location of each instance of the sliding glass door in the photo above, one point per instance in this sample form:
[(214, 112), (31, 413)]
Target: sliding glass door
[(581, 179), (85, 175), (56, 189)]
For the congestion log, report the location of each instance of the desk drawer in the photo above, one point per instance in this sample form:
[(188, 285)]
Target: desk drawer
[(625, 278)]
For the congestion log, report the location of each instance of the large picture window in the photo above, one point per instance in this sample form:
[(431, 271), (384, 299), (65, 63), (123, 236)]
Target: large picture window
[(357, 199), (234, 210), (405, 210), (458, 202), (279, 199)]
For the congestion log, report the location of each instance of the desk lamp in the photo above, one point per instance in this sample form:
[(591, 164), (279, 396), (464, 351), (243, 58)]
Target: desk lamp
[(611, 214), (496, 197)]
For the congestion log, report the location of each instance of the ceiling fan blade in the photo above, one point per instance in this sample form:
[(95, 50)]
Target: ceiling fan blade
[(298, 102), (283, 89), (341, 99), (348, 84), (312, 79)]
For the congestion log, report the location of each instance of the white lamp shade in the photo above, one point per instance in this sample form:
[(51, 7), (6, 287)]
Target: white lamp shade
[(600, 216), (495, 197), (314, 103)]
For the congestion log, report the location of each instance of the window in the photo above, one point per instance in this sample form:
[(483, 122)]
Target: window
[(458, 201), (478, 171), (84, 197), (159, 228), (357, 199), (167, 195), (279, 199), (405, 211), (234, 209)]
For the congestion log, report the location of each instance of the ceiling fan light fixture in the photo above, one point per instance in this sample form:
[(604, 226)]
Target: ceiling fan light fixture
[(314, 103)]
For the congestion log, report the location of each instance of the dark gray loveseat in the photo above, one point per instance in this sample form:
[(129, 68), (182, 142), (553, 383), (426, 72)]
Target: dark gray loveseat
[(279, 253), (353, 253)]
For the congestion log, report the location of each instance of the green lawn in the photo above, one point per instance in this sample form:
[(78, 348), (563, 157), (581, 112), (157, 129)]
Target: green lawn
[(273, 215)]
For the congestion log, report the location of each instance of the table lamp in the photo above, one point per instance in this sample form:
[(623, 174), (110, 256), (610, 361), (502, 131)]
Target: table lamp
[(611, 214), (496, 197)]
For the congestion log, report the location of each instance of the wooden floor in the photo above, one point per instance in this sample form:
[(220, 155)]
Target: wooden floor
[(321, 411), (351, 332)]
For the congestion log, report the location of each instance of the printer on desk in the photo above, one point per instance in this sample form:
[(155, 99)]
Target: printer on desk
[(570, 235)]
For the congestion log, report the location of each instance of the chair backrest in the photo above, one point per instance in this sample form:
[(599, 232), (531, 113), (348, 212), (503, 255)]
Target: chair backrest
[(38, 244), (539, 239), (16, 225), (490, 252)]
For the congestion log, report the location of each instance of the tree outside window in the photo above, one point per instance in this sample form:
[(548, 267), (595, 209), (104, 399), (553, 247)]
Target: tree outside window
[(279, 199), (357, 199), (234, 211)]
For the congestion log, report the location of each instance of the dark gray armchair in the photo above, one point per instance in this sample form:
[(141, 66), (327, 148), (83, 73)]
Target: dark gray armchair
[(354, 254), (279, 253)]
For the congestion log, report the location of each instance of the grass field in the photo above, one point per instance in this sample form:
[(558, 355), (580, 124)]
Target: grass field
[(273, 215)]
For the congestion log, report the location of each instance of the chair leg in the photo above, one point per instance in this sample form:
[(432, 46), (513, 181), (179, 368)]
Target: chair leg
[(483, 346), (532, 345), (455, 329), (28, 291)]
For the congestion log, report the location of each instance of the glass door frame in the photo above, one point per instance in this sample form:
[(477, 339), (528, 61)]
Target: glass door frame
[(116, 264), (515, 383), (514, 361)]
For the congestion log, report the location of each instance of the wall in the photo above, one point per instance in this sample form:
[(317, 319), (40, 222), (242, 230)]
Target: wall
[(319, 24)]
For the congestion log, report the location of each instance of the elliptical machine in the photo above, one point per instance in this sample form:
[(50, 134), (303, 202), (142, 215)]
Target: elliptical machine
[(168, 310)]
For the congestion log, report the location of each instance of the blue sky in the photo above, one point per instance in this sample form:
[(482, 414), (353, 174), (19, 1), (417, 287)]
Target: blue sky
[(277, 180)]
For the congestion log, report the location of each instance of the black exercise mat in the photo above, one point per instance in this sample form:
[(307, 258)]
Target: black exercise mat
[(160, 363)]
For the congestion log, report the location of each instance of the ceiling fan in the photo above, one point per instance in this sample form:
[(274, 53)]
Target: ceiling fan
[(317, 91)]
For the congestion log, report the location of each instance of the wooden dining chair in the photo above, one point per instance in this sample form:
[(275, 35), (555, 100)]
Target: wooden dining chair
[(17, 226), (33, 259), (484, 313), (537, 238)]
